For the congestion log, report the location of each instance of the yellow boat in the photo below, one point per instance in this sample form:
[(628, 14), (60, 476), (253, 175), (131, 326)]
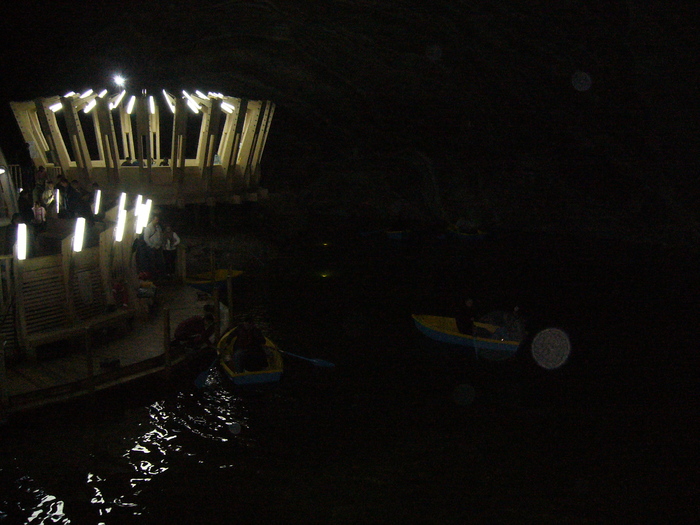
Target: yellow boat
[(206, 281), (271, 374)]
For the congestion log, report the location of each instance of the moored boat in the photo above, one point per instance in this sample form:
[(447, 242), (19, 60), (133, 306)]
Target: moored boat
[(478, 235), (207, 281), (399, 235), (444, 329), (271, 374)]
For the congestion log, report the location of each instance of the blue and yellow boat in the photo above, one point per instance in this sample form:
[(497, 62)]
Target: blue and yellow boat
[(207, 281), (444, 329), (271, 374)]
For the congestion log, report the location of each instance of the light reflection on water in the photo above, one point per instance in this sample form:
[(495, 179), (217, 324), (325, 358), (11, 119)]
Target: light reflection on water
[(176, 429), (118, 461), (322, 425), (40, 506)]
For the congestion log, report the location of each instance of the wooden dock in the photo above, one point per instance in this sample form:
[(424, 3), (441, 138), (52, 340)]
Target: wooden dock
[(89, 363)]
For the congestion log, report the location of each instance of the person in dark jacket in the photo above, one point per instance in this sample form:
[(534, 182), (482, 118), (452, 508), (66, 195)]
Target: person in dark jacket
[(466, 315), (249, 347), (197, 330)]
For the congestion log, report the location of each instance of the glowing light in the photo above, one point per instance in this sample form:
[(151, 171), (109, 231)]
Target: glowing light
[(122, 201), (90, 105), (98, 198), (69, 94), (193, 106), (200, 94), (130, 105), (191, 102), (119, 80), (79, 234), (55, 107), (21, 241), (228, 108), (170, 100), (121, 223), (137, 206), (152, 105), (144, 214), (58, 200), (86, 94), (2, 170), (117, 100), (102, 93)]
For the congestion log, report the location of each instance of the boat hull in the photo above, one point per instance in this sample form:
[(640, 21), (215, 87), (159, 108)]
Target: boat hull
[(272, 374), (204, 282), (444, 330), (467, 237)]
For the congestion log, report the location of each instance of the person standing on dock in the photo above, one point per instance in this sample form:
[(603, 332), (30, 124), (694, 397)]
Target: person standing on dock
[(153, 237), (40, 178), (171, 240), (39, 216)]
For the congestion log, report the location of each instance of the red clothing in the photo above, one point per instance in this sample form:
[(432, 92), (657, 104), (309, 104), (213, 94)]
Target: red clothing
[(194, 330)]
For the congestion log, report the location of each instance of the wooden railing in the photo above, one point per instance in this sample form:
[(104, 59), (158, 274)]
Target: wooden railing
[(6, 283)]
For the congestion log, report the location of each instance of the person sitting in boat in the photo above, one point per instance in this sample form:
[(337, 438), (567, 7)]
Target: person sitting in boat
[(467, 226), (465, 317), (249, 347), (512, 326), (197, 330), (515, 325)]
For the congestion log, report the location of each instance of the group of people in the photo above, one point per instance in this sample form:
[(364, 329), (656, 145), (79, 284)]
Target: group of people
[(156, 249), (129, 162), (37, 202), (248, 350)]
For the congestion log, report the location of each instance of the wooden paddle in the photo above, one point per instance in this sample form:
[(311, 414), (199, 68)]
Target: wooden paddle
[(201, 380), (317, 362)]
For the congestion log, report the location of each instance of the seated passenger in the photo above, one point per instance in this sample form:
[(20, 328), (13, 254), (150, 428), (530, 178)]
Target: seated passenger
[(249, 348)]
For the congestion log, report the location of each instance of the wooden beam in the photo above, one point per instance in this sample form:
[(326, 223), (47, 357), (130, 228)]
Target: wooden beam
[(233, 170), (107, 138), (80, 149)]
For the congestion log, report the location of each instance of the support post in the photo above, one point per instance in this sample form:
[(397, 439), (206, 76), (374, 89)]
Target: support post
[(181, 262), (4, 394), (229, 292), (89, 361), (217, 314), (212, 265), (166, 339)]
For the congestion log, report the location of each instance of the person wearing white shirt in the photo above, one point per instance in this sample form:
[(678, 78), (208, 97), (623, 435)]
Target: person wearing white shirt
[(170, 243), (153, 237)]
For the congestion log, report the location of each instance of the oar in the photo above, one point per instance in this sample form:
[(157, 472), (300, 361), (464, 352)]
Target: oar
[(317, 362), (201, 380)]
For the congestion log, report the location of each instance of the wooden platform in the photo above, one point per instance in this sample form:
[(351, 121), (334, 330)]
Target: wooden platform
[(139, 345)]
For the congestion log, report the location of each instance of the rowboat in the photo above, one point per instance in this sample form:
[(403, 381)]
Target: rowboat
[(444, 329), (399, 235), (271, 374), (466, 237), (206, 281)]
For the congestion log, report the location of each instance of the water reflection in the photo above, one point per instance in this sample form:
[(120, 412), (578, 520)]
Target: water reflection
[(183, 427), (400, 415), (31, 504)]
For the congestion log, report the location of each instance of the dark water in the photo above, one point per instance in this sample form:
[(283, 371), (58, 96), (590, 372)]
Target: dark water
[(381, 438)]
